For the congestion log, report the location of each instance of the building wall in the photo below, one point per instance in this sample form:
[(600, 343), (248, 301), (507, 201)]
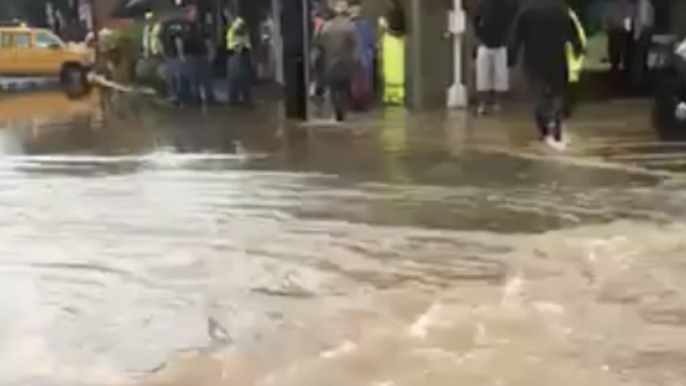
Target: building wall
[(678, 17)]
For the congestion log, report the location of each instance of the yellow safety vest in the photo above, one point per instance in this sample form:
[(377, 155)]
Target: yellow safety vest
[(234, 40), (155, 48), (575, 63), (393, 68)]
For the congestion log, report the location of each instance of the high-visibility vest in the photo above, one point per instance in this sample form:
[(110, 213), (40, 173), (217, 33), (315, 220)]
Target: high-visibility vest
[(575, 63), (155, 33), (236, 41), (393, 60)]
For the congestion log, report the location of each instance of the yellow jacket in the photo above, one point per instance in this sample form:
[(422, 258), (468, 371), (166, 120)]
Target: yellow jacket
[(575, 63), (235, 40), (155, 48)]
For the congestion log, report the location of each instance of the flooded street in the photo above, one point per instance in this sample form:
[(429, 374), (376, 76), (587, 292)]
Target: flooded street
[(147, 246)]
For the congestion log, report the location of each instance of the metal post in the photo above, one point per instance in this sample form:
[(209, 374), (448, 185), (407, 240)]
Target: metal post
[(96, 30), (295, 32), (277, 42), (306, 23), (416, 95), (457, 93)]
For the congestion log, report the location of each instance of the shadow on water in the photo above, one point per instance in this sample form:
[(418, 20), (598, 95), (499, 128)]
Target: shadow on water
[(394, 249)]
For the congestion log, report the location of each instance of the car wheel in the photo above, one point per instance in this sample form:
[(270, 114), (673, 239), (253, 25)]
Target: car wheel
[(74, 81)]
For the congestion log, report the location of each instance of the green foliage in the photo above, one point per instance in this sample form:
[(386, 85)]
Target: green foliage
[(125, 42)]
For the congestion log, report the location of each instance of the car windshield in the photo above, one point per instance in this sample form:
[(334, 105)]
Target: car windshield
[(46, 40)]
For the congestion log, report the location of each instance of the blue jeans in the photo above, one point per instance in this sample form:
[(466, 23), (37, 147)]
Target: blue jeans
[(203, 87), (240, 78), (339, 90), (172, 71), (187, 86)]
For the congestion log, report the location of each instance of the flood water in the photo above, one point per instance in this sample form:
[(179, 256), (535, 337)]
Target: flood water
[(145, 246)]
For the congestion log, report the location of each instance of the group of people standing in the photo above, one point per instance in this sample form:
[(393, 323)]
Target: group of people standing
[(553, 40), (348, 61), (188, 53), (352, 58)]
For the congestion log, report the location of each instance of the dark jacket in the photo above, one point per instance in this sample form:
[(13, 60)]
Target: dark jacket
[(171, 38), (543, 28), (338, 43), (194, 42), (395, 17), (618, 11), (493, 21)]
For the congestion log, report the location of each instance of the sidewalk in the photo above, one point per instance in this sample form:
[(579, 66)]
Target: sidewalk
[(615, 135)]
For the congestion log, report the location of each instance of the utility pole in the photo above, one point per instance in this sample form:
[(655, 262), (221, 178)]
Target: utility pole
[(295, 29), (457, 93), (95, 29)]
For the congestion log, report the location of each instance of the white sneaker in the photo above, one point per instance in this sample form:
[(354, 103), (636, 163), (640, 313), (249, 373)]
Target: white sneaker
[(555, 144), (549, 140)]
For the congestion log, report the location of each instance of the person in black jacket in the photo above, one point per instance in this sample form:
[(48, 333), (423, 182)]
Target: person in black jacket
[(171, 42), (199, 49), (544, 28), (493, 22)]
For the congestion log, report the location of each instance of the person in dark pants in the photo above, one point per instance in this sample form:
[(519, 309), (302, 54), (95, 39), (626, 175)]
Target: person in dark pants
[(192, 52), (199, 53), (185, 84), (171, 45), (240, 68), (338, 43), (339, 89), (618, 24), (206, 69), (543, 29)]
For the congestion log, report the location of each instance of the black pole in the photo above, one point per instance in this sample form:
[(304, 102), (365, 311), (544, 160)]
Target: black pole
[(96, 30), (294, 19)]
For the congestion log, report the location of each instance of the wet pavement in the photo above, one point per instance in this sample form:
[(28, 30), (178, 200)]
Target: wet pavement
[(149, 246)]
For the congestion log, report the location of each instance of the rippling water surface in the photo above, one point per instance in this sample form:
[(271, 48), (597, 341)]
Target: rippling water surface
[(176, 253)]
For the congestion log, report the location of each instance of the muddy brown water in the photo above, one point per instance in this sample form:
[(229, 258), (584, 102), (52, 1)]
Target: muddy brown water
[(154, 247)]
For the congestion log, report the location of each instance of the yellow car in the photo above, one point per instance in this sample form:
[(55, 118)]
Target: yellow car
[(26, 51)]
